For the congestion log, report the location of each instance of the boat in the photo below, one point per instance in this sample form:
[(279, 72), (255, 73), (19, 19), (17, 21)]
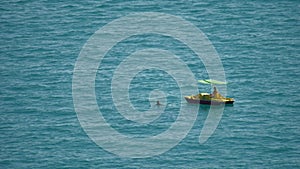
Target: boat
[(210, 99), (206, 98)]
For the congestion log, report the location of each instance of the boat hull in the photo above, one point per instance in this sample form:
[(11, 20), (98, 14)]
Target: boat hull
[(191, 99)]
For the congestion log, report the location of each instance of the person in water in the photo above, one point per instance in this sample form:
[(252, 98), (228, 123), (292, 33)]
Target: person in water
[(157, 103)]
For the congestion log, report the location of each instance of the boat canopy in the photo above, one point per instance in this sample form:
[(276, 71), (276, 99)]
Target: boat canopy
[(210, 81)]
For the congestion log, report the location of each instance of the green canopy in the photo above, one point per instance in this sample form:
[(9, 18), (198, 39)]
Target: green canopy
[(210, 81)]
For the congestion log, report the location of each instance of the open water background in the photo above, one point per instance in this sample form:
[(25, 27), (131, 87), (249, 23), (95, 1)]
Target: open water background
[(258, 43)]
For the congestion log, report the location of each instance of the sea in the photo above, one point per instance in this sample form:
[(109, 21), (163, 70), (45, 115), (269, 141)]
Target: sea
[(41, 126)]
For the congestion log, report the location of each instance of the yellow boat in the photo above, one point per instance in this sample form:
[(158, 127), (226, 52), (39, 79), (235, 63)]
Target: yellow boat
[(210, 99), (205, 98)]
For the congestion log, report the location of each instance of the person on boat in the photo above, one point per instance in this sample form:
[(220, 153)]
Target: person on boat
[(215, 94)]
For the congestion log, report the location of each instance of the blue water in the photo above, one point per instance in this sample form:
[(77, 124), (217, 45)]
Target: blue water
[(259, 46)]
